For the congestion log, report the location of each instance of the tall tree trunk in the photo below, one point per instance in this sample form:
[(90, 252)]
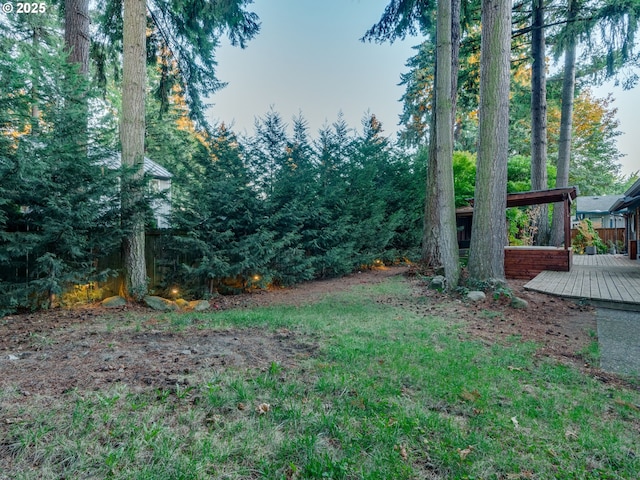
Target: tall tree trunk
[(77, 41), (489, 230), (439, 248), (444, 146), (431, 255), (35, 82), (77, 37), (132, 129), (539, 120), (566, 125)]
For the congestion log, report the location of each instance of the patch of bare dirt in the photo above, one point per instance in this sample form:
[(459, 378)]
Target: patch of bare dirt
[(90, 348)]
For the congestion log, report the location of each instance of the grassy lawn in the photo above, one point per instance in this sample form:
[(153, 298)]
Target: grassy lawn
[(388, 394)]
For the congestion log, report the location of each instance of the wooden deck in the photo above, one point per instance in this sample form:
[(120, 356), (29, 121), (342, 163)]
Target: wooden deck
[(599, 278)]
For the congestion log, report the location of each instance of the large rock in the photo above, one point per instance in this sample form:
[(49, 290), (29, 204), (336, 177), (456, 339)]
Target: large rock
[(199, 305), (182, 303), (438, 283), (517, 302), (159, 303), (476, 296), (113, 302)]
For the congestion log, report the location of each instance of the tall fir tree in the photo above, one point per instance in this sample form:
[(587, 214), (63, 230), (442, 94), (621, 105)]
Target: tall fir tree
[(221, 238), (59, 205), (373, 225), (489, 235), (333, 249)]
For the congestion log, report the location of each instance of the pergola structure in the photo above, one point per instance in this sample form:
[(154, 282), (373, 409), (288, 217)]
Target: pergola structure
[(523, 261), (555, 195)]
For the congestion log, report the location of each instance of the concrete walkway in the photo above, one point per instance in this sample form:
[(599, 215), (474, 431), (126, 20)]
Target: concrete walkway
[(619, 340), (612, 284)]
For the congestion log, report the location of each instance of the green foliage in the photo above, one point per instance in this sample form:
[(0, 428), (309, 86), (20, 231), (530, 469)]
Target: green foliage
[(221, 238), (519, 174), (184, 34), (402, 18), (280, 208), (464, 177), (288, 185), (58, 202), (587, 236)]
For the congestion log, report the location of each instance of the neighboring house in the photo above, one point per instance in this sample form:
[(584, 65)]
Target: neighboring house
[(598, 210), (629, 207), (160, 183)]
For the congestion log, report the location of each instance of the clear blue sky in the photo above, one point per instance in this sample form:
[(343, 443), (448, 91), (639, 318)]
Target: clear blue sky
[(308, 58)]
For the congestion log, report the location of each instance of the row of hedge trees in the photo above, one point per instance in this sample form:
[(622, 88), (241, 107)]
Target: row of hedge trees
[(280, 208)]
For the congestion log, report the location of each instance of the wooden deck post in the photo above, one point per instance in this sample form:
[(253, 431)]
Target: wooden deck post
[(567, 222)]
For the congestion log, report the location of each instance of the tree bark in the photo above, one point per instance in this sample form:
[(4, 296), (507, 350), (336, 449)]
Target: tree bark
[(132, 128), (439, 241), (489, 231), (444, 146), (566, 127), (77, 40), (539, 120), (35, 83), (77, 37)]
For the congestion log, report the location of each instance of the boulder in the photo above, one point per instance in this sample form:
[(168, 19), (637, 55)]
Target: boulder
[(182, 303), (199, 305), (476, 296), (159, 303), (113, 302), (438, 283), (517, 302)]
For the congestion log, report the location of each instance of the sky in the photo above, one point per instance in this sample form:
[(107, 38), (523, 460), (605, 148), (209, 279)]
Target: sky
[(308, 59)]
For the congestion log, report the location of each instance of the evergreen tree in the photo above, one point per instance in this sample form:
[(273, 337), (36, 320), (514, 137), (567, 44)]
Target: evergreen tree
[(291, 206), (489, 235), (285, 178), (391, 219), (59, 205), (539, 118), (184, 32), (566, 121), (267, 153), (404, 186), (333, 249), (221, 238), (132, 131), (373, 226)]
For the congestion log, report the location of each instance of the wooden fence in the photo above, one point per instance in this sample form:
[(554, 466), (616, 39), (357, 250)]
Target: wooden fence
[(157, 266), (155, 258), (609, 236)]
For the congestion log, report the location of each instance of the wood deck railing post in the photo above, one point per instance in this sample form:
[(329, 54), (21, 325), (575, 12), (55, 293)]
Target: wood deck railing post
[(567, 222)]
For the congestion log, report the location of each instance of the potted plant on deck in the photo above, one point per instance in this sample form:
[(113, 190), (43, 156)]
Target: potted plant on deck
[(587, 241)]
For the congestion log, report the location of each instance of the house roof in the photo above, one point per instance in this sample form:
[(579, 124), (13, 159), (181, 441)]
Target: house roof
[(633, 190), (597, 204), (630, 200), (150, 167), (155, 170)]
